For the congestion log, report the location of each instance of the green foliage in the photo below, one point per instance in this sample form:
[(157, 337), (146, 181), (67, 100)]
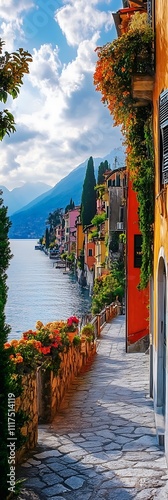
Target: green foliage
[(54, 218), (118, 61), (70, 206), (93, 234), (107, 287), (98, 219), (88, 201), (5, 378), (81, 260), (144, 187), (76, 340), (100, 190), (64, 256), (12, 68), (130, 54), (104, 165), (88, 331), (47, 239), (122, 238)]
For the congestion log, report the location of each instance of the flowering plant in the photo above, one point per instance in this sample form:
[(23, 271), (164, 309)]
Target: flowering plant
[(117, 62), (71, 324), (25, 355)]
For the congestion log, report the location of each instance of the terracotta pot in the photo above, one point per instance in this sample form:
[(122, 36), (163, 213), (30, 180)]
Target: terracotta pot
[(71, 335)]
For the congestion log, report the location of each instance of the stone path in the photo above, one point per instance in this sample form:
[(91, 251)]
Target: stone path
[(102, 444)]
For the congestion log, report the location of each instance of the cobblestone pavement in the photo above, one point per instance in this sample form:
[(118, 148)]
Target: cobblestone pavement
[(102, 444)]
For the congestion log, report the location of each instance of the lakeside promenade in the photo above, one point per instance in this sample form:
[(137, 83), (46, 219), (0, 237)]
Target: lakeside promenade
[(102, 443)]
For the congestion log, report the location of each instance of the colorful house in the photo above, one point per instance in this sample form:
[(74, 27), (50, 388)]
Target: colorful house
[(159, 292), (137, 301), (70, 229)]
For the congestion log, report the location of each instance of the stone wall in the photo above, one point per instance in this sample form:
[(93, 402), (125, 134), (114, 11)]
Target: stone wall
[(28, 403), (54, 387), (43, 391)]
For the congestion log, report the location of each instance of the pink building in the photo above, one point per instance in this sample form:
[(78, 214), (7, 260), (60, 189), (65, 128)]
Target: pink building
[(70, 229), (60, 236)]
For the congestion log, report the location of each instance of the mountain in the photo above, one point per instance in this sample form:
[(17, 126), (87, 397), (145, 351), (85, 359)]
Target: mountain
[(19, 197), (30, 221)]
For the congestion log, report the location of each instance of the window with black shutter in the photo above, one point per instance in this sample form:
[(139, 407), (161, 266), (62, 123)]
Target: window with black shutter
[(163, 117), (137, 250)]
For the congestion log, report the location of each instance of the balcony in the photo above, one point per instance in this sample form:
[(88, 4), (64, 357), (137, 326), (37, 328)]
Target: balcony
[(142, 88), (120, 226)]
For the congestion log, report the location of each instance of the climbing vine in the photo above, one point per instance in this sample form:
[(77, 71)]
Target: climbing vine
[(117, 62)]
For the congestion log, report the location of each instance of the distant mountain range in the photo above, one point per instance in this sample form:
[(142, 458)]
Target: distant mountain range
[(30, 221), (21, 196)]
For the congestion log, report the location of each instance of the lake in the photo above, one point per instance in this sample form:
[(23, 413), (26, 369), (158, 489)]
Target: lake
[(38, 291)]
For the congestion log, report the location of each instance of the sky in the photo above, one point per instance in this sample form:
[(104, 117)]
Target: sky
[(60, 119)]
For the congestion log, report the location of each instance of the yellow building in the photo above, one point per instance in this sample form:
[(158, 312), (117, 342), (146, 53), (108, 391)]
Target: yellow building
[(158, 299)]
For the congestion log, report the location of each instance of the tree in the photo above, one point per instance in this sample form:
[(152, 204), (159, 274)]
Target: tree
[(104, 165), (54, 218), (71, 206), (47, 240), (5, 256), (12, 69), (88, 201)]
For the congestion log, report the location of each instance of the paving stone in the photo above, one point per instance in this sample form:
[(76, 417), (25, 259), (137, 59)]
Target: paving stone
[(75, 482), (55, 490), (34, 462), (34, 482), (102, 443), (48, 453), (52, 478)]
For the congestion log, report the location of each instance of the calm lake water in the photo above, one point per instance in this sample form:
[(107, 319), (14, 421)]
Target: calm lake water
[(38, 291)]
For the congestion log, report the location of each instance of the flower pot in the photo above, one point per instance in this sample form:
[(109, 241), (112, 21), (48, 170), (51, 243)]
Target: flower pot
[(71, 335)]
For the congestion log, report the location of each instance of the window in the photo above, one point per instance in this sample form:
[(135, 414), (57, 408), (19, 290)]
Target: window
[(137, 250), (90, 252), (163, 117), (117, 180)]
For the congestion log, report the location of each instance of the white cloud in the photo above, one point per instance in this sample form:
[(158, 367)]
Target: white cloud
[(78, 20), (60, 120), (10, 9)]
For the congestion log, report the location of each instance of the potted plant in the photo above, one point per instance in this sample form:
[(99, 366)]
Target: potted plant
[(71, 327), (87, 332)]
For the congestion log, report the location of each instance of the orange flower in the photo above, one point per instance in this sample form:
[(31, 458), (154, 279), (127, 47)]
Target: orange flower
[(7, 345), (14, 343), (19, 359)]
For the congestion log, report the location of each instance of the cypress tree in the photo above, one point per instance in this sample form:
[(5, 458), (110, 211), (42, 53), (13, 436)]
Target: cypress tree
[(104, 165), (5, 378), (88, 202)]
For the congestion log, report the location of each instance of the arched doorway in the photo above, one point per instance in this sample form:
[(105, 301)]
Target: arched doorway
[(161, 348)]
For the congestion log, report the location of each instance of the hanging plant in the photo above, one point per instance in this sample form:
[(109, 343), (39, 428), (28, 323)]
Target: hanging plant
[(117, 63)]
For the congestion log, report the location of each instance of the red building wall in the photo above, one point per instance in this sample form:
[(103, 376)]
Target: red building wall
[(137, 301)]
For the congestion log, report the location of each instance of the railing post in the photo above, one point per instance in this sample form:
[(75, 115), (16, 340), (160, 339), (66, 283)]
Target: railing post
[(98, 325)]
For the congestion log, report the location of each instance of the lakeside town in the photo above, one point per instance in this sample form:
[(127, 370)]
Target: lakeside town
[(84, 411)]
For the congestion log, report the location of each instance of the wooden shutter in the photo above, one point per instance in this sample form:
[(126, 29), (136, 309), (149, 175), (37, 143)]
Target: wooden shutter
[(163, 116)]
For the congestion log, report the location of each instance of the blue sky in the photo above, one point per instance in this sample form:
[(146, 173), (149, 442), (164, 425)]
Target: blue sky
[(59, 116)]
